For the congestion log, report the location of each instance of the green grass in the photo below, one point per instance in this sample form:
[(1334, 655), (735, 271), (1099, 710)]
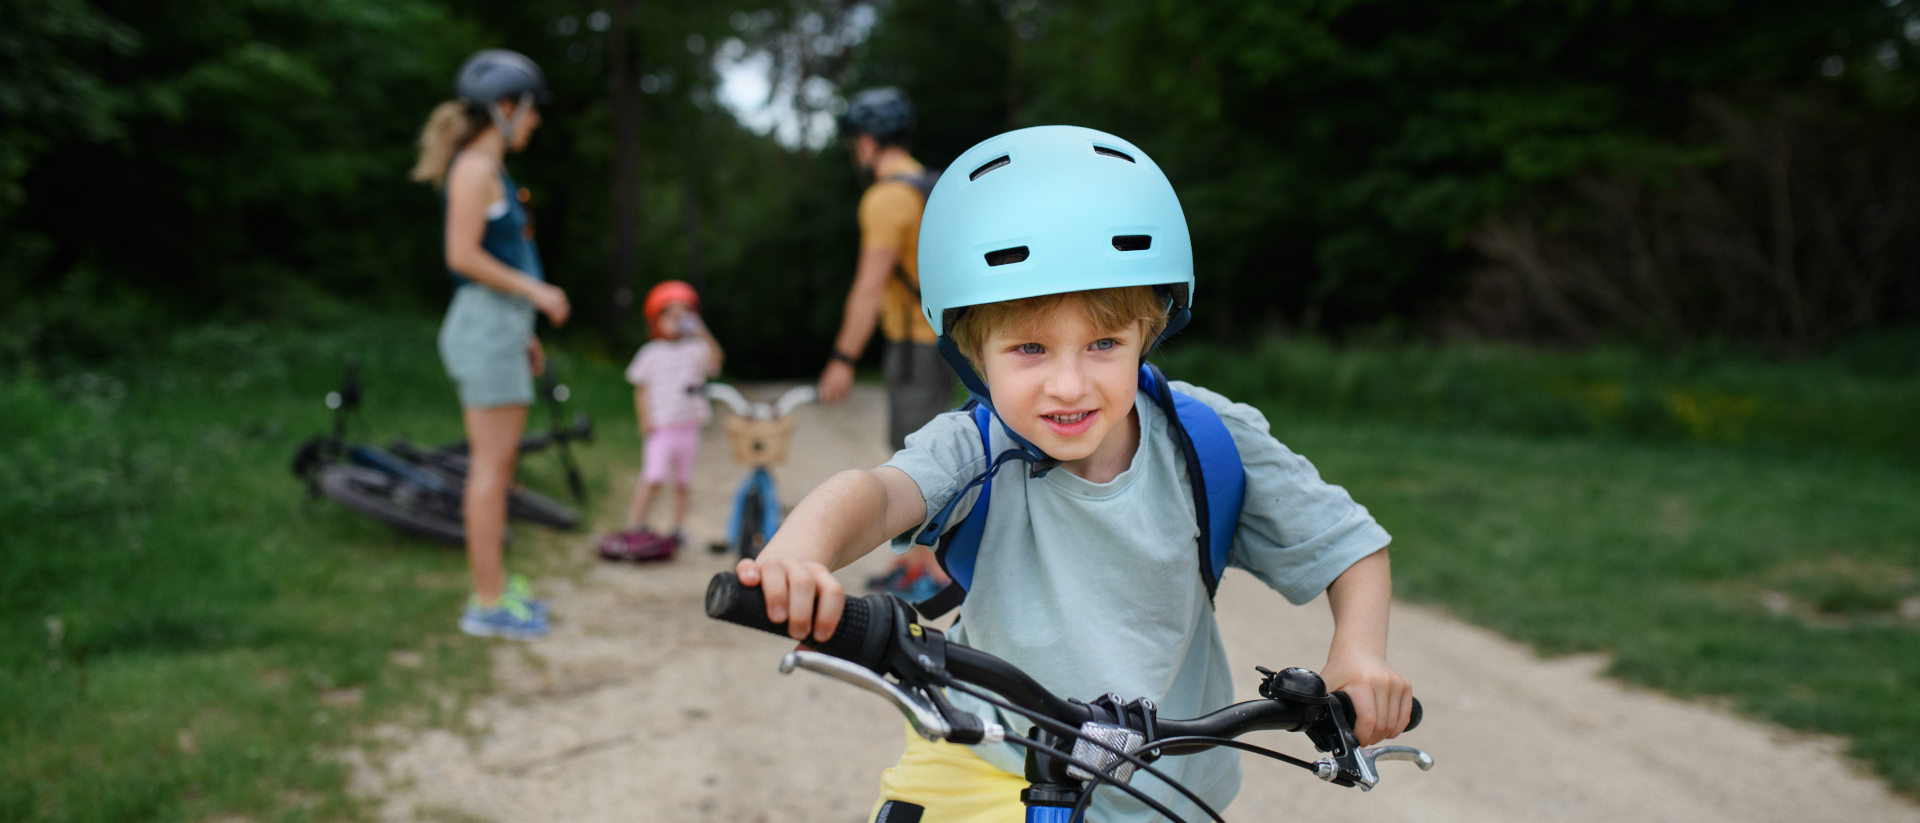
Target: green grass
[(183, 634), (1771, 571)]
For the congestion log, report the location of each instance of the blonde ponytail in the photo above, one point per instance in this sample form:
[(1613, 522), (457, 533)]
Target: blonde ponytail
[(450, 126)]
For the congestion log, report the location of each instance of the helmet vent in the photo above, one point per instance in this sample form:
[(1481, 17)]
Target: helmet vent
[(1007, 257), (1133, 242), (1113, 153), (990, 165)]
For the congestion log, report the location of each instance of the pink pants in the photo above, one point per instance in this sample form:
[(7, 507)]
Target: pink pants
[(671, 449)]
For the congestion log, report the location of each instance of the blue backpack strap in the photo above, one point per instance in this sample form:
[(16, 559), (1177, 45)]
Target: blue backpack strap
[(960, 546), (1213, 467)]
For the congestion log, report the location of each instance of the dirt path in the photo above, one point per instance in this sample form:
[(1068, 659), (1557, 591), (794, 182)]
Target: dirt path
[(639, 708)]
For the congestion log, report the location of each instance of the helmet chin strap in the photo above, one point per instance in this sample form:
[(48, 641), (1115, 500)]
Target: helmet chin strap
[(510, 126), (950, 351)]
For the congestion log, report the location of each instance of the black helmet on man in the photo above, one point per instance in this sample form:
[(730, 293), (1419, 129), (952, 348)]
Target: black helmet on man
[(491, 76), (885, 113)]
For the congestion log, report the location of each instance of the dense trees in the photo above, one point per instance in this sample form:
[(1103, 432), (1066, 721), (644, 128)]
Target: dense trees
[(1658, 170)]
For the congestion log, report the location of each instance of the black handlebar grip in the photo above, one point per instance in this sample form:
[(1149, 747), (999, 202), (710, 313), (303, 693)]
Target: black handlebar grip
[(861, 637), (1413, 720)]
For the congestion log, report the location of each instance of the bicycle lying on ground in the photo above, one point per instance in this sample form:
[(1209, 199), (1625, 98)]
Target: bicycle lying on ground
[(760, 433), (1075, 747), (450, 460), (418, 490)]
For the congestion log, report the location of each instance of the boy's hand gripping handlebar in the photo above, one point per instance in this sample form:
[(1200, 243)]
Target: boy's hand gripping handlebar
[(878, 636)]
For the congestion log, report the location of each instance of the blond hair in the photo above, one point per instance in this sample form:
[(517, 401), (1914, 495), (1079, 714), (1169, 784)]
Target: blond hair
[(1106, 309), (451, 125)]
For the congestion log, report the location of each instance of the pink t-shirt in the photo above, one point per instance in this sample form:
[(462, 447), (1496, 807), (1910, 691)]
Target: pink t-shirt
[(673, 372)]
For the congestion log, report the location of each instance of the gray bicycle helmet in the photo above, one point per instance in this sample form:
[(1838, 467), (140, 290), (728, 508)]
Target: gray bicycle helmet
[(494, 75), (882, 112)]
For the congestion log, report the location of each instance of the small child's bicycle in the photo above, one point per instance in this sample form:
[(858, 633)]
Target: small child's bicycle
[(760, 433), (1074, 747)]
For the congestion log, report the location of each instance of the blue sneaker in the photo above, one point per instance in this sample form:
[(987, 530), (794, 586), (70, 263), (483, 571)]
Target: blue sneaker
[(511, 619)]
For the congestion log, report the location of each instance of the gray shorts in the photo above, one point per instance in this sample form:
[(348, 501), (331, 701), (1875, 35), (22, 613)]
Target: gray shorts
[(483, 342), (920, 385)]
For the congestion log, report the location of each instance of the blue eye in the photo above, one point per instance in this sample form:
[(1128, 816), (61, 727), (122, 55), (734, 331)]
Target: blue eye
[(1105, 344), (1031, 348)]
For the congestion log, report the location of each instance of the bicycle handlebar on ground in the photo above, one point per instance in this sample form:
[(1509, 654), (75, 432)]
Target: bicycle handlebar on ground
[(879, 633)]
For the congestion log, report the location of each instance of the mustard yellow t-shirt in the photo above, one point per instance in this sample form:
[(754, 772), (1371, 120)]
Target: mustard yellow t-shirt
[(890, 219)]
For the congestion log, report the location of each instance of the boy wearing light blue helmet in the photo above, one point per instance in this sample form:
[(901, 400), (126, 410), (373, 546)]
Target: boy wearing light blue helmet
[(1052, 260)]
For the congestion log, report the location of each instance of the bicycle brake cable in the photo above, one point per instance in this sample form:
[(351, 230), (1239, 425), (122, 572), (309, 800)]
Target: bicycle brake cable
[(1068, 731), (1086, 798), (1231, 743), (1135, 791)]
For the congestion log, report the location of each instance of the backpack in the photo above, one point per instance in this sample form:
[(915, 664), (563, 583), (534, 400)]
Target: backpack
[(922, 183), (1213, 468)]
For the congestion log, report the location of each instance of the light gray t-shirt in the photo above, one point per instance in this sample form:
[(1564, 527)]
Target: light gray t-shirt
[(1095, 587)]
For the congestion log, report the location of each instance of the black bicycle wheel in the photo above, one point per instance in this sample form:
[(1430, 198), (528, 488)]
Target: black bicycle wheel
[(395, 502), (528, 504), (748, 542)]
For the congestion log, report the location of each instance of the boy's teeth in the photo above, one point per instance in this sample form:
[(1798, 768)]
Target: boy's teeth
[(1067, 418)]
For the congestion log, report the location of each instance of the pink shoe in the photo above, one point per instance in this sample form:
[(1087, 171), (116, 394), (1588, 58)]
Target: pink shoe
[(638, 545), (655, 547), (620, 545)]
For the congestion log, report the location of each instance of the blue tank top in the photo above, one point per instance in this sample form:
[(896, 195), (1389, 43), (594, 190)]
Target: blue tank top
[(508, 237)]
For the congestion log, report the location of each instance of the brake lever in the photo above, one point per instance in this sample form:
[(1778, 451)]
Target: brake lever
[(1359, 768), (920, 710), (1349, 764)]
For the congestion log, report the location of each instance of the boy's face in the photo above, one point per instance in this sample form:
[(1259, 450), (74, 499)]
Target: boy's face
[(1068, 388)]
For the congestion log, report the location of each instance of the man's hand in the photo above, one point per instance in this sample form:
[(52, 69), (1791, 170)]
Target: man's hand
[(836, 382)]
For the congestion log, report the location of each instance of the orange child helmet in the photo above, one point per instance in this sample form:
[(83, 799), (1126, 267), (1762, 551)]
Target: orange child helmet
[(667, 291)]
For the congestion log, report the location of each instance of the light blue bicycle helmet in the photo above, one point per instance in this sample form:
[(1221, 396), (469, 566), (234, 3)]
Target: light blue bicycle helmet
[(1047, 210)]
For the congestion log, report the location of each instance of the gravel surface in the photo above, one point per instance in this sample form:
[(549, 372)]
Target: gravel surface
[(640, 708)]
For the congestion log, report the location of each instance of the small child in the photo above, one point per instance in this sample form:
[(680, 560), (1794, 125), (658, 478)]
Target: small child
[(669, 375), (1052, 261)]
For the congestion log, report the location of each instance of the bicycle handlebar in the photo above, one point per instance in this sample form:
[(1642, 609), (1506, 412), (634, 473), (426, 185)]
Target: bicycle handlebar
[(866, 636)]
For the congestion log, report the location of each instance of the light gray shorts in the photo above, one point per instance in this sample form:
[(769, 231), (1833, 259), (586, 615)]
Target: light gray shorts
[(483, 342), (920, 385)]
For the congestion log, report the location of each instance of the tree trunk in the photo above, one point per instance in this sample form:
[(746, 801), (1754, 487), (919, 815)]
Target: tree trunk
[(624, 88)]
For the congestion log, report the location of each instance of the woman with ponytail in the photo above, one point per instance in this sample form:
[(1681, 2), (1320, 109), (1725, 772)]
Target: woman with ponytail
[(487, 339)]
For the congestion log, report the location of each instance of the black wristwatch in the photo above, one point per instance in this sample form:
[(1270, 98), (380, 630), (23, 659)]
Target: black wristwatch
[(841, 356)]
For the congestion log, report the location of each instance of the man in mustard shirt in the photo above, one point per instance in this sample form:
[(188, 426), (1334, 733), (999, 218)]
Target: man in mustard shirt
[(886, 293)]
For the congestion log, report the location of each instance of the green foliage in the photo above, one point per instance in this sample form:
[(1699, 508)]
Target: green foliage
[(1341, 164), (1335, 159), (47, 95)]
